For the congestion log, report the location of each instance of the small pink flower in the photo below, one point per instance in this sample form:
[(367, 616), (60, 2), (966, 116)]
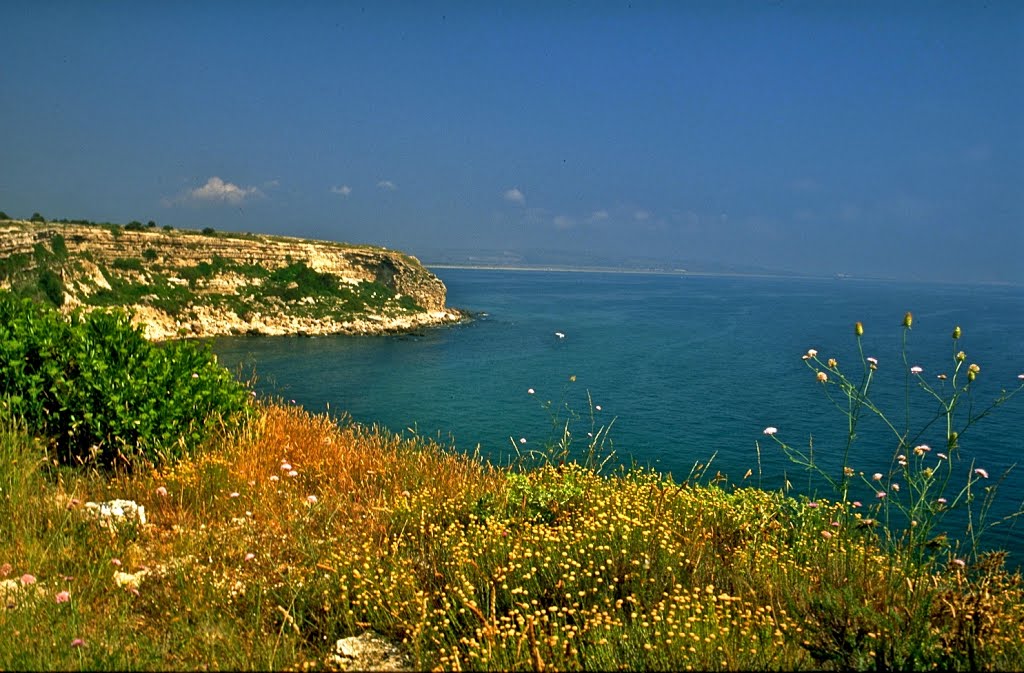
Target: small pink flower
[(835, 524), (274, 477), (285, 467), (5, 570), (530, 391), (873, 361), (250, 556), (1020, 376), (942, 456), (942, 501), (895, 487), (233, 494), (959, 562), (812, 505), (77, 642), (293, 473), (194, 375), (597, 407), (27, 579), (311, 499), (770, 430), (855, 504), (522, 440), (880, 495), (877, 476), (115, 562), (826, 534), (811, 353), (916, 370), (63, 597), (161, 491), (981, 473), (822, 377)]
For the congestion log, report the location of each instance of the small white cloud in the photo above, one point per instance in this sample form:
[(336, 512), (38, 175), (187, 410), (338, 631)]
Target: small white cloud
[(564, 222), (387, 185), (344, 190), (515, 196), (271, 184), (641, 215), (216, 189), (599, 215)]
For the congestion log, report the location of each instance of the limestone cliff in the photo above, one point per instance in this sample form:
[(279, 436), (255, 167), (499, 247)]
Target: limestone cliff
[(186, 283)]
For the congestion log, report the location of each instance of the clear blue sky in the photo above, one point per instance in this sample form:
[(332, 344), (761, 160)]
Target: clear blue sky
[(881, 139)]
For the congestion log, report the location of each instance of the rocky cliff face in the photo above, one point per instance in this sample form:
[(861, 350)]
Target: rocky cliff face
[(190, 284)]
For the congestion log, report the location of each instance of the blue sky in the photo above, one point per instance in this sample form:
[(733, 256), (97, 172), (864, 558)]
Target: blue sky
[(878, 139)]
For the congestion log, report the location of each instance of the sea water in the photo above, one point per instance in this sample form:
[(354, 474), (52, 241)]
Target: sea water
[(685, 370)]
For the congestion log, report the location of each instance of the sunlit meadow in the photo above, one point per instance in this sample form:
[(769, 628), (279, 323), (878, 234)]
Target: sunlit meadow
[(265, 549)]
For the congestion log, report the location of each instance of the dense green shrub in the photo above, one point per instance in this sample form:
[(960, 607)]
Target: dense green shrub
[(98, 391), (209, 231), (4, 216), (127, 264), (36, 217), (149, 254), (134, 225), (59, 246), (52, 286)]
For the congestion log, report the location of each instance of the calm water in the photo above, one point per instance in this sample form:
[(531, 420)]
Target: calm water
[(688, 367)]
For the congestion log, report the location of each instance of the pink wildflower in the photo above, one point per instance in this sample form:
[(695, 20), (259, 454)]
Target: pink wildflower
[(161, 491), (311, 499), (812, 505), (877, 476), (274, 477), (856, 503), (115, 562), (826, 534), (873, 361), (5, 570), (916, 370), (233, 494), (522, 440), (293, 473), (880, 495), (250, 556), (530, 391), (27, 579), (770, 430), (285, 467), (77, 642), (959, 562), (63, 597), (822, 377), (981, 473)]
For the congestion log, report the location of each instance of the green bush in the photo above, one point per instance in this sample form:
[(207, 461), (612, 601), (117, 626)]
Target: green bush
[(134, 225), (98, 391), (59, 246), (209, 231), (52, 286), (149, 254), (127, 264), (36, 217), (4, 216)]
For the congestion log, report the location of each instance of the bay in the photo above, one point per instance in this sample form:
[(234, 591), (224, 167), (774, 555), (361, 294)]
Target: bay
[(687, 369)]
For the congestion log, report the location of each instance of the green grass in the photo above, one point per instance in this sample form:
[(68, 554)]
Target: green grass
[(271, 545)]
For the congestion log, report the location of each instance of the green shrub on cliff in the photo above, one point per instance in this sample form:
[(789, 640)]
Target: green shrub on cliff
[(98, 391)]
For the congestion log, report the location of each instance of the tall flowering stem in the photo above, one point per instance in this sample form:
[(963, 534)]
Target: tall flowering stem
[(918, 490)]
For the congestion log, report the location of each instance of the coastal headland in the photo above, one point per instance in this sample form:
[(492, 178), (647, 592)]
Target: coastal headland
[(180, 283)]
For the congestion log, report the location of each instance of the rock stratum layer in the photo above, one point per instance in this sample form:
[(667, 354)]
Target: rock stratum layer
[(179, 283)]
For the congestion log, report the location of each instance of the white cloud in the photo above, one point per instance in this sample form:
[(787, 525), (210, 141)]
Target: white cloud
[(344, 190), (641, 215), (216, 189), (564, 222), (387, 185), (598, 216), (515, 196)]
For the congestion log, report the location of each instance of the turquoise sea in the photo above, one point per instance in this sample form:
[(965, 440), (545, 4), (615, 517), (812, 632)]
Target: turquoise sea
[(686, 368)]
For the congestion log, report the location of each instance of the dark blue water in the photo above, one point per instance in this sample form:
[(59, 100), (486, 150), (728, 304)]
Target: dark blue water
[(688, 367)]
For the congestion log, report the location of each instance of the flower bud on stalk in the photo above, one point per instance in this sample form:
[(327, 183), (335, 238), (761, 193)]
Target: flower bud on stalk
[(858, 329), (908, 320), (956, 332)]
